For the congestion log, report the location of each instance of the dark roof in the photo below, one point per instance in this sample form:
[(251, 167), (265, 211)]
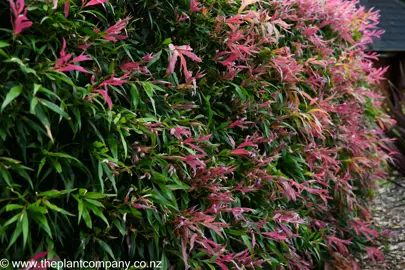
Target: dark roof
[(392, 20)]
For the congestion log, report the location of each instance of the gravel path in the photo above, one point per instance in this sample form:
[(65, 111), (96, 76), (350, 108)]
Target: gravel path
[(388, 208)]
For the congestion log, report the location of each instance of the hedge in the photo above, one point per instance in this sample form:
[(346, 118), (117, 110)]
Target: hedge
[(206, 135)]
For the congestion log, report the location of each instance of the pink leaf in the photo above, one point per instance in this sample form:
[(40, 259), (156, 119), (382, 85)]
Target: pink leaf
[(106, 97), (204, 138), (66, 8), (232, 141), (96, 2), (113, 33), (172, 63), (180, 131), (191, 55), (71, 67), (17, 7), (194, 162), (245, 3), (194, 6), (148, 57), (180, 51), (195, 147), (279, 236), (21, 23), (240, 123), (141, 206), (84, 46), (374, 253), (184, 252), (135, 67), (36, 257), (81, 58), (240, 152)]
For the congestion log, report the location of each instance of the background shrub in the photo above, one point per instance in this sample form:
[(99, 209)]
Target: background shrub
[(213, 134)]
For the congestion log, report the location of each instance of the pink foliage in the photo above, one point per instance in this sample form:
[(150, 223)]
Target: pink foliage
[(114, 33), (102, 87), (64, 63), (180, 52), (374, 253), (19, 13), (95, 2)]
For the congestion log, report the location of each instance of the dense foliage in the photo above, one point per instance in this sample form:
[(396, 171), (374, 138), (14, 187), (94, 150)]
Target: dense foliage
[(204, 134)]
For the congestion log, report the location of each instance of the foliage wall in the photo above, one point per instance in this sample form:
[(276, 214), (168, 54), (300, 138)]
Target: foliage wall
[(204, 134)]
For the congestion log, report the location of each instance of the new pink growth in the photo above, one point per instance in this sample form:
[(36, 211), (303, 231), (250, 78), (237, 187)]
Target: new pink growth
[(95, 2), (63, 64), (360, 227), (279, 236), (289, 217), (135, 67), (241, 123), (104, 94), (240, 152), (374, 253), (194, 162), (66, 8), (339, 243), (148, 57), (113, 33), (194, 6), (19, 12), (36, 258), (180, 52), (180, 131), (104, 87)]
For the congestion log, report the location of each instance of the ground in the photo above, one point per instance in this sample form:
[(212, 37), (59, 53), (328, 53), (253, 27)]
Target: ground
[(388, 208)]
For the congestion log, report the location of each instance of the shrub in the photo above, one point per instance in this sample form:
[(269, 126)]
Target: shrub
[(213, 134)]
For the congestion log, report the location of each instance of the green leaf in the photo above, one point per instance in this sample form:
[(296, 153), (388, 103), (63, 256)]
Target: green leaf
[(56, 165), (124, 144), (5, 175), (64, 155), (107, 248), (24, 68), (34, 207), (56, 208), (87, 218), (55, 193), (17, 232), (41, 220), (100, 175), (8, 222), (80, 208), (119, 226), (94, 202), (134, 95), (54, 108), (147, 86), (37, 87), (167, 41), (3, 53), (100, 214), (11, 207), (41, 164), (4, 44), (95, 195), (25, 226), (12, 94)]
